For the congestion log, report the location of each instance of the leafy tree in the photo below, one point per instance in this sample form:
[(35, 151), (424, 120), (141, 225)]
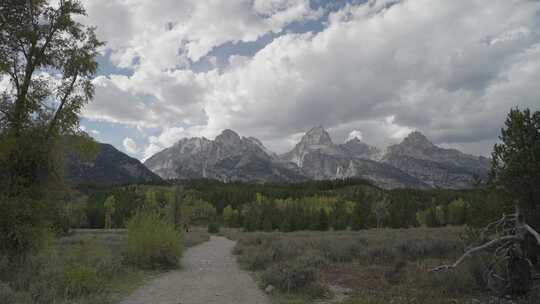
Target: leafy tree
[(49, 60), (402, 211), (323, 220), (251, 220), (431, 217), (199, 211), (340, 218), (228, 214), (457, 212), (151, 202), (515, 166), (441, 214), (360, 216), (236, 219), (421, 218)]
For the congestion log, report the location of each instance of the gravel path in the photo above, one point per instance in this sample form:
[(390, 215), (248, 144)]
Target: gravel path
[(209, 274)]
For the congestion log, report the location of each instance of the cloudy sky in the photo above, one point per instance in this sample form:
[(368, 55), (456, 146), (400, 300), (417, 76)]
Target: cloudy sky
[(275, 68)]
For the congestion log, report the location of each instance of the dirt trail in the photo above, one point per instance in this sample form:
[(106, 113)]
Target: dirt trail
[(209, 274)]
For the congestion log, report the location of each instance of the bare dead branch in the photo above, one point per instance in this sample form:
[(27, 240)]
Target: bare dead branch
[(533, 232), (473, 250)]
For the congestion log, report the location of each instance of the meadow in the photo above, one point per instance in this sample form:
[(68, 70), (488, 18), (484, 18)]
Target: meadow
[(87, 266), (369, 266)]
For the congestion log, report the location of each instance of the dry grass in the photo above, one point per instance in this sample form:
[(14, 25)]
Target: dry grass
[(114, 238), (379, 266), (85, 267)]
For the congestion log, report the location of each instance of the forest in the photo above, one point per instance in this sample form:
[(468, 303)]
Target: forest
[(324, 205)]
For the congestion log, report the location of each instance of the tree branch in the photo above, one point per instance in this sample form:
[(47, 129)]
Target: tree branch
[(51, 33), (469, 252), (533, 232), (14, 76), (63, 101)]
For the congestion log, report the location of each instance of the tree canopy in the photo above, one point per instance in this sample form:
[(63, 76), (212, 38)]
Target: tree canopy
[(49, 59)]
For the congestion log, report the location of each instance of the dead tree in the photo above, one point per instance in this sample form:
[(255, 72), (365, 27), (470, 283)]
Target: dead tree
[(509, 270), (380, 209)]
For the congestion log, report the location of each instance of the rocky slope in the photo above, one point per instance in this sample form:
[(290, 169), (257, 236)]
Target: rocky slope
[(109, 167), (227, 158), (319, 158), (414, 163), (358, 149), (438, 167)]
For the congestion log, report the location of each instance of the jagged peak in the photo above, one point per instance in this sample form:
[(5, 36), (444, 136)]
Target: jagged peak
[(228, 136), (229, 132), (317, 136), (417, 139), (316, 129), (255, 140)]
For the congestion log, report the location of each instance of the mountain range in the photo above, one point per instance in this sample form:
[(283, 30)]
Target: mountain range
[(108, 167), (413, 163), (227, 158)]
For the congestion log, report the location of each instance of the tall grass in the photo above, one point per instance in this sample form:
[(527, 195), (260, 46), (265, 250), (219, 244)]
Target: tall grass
[(303, 262), (152, 242), (378, 265), (58, 273)]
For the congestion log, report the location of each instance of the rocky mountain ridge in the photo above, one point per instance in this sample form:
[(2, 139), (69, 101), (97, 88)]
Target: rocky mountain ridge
[(228, 157), (413, 163), (435, 166)]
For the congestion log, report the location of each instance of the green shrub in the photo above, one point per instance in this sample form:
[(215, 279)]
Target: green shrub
[(254, 259), (85, 269), (77, 280), (213, 227), (341, 250), (301, 274), (63, 272), (284, 249), (23, 225), (7, 295), (152, 242)]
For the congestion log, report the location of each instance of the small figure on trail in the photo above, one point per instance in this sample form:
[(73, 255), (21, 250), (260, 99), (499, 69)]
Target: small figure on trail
[(186, 227)]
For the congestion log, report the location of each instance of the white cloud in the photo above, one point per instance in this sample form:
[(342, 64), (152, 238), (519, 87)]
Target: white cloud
[(355, 134), (424, 62), (450, 69), (130, 146), (163, 34)]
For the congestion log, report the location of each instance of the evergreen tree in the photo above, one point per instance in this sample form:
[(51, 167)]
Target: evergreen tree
[(516, 162), (360, 216), (267, 225), (431, 217), (108, 205), (286, 225), (323, 220), (340, 219)]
